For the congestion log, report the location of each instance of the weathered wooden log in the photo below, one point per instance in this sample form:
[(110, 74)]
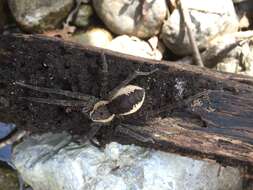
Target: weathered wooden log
[(216, 125)]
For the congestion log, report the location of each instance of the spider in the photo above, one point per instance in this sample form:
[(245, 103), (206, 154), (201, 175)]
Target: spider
[(125, 99)]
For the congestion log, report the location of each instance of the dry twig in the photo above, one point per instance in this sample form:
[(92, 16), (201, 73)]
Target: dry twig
[(186, 19)]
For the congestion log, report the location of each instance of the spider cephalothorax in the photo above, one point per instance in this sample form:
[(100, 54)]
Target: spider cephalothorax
[(100, 113), (125, 101)]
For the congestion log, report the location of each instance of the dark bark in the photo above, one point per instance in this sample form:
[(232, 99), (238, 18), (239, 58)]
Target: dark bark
[(217, 125)]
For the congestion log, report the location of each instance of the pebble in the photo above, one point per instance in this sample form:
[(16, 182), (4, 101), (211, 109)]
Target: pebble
[(137, 47), (38, 16), (98, 37), (208, 19), (84, 16), (131, 17)]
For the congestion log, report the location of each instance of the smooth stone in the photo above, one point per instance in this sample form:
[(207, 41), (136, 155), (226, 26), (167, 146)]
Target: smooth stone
[(98, 37), (208, 19), (137, 47), (128, 17), (37, 15), (84, 16)]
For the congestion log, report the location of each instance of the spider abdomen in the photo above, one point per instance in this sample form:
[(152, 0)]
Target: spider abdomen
[(127, 100)]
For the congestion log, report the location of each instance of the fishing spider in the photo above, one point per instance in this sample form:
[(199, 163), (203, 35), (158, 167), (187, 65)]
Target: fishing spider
[(125, 99)]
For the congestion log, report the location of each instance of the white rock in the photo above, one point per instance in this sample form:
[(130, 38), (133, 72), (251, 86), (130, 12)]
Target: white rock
[(117, 167), (238, 60), (128, 17), (228, 65), (208, 20), (98, 37), (137, 47)]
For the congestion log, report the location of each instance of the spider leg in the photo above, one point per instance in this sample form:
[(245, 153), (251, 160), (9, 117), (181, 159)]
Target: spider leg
[(67, 93), (129, 130), (104, 78), (58, 102), (95, 143), (93, 131), (128, 80)]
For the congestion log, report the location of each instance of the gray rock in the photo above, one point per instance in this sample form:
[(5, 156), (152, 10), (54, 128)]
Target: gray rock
[(208, 19), (37, 15), (84, 16), (131, 17), (117, 167)]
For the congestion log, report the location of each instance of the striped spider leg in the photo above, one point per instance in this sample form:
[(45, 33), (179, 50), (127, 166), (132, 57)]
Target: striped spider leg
[(83, 100)]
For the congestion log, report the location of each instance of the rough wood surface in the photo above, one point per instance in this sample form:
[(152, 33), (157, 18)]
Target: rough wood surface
[(217, 125)]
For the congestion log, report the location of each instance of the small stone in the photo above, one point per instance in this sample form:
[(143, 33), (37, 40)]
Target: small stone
[(228, 66), (37, 15), (98, 37), (83, 17), (135, 18), (208, 19), (238, 60), (137, 47)]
